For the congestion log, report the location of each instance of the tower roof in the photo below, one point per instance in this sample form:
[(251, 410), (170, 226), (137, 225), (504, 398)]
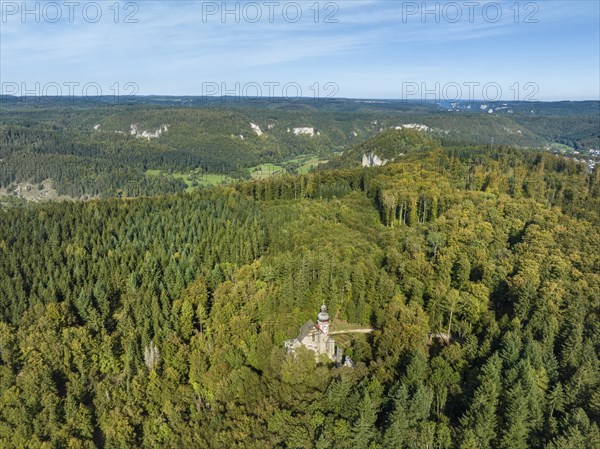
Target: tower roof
[(323, 315)]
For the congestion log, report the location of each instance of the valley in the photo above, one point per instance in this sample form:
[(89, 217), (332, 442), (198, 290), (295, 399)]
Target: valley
[(99, 149)]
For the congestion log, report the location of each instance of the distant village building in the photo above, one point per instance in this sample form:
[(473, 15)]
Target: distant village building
[(348, 362)]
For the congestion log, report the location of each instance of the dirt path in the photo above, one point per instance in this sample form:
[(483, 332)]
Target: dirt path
[(352, 331)]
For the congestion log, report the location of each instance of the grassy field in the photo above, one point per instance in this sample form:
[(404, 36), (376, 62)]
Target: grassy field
[(309, 164), (565, 149), (304, 163), (215, 179), (264, 171), (205, 179)]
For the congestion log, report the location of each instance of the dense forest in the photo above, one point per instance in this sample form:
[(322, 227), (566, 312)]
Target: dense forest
[(159, 322), (103, 149)]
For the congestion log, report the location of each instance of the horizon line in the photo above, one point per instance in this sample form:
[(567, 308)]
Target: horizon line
[(288, 99)]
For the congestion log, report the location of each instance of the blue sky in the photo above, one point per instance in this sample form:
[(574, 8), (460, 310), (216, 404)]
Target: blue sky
[(368, 49)]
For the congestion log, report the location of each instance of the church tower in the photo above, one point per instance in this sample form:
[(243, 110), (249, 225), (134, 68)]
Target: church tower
[(323, 321), (315, 337)]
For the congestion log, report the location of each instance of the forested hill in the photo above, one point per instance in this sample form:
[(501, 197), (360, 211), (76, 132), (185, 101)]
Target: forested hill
[(160, 322), (87, 148), (321, 103)]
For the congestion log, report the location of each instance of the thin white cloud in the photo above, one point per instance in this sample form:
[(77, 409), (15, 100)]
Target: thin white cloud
[(172, 40)]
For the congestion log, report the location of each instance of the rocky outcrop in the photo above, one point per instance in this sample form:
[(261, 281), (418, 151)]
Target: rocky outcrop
[(256, 129), (304, 131), (139, 134), (416, 126), (372, 160)]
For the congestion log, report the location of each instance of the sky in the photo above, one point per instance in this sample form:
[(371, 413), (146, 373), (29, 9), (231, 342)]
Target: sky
[(544, 50)]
